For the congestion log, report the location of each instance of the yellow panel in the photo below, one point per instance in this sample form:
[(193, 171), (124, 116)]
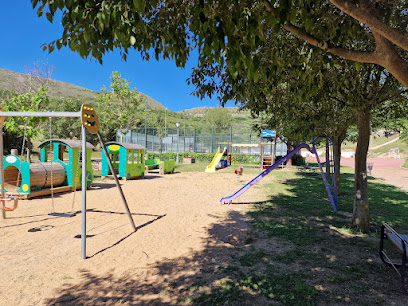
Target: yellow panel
[(1, 118), (90, 119), (114, 147)]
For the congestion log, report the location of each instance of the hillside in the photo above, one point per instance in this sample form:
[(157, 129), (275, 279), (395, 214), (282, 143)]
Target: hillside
[(13, 81)]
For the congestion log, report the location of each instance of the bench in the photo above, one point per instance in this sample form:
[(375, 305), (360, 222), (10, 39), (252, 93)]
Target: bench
[(400, 242), (151, 164)]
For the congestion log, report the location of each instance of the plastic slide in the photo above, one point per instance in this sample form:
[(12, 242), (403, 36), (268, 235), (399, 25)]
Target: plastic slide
[(331, 189), (216, 160)]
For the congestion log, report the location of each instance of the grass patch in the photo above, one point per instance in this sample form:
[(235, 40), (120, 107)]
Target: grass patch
[(405, 164), (401, 144), (288, 289), (315, 256)]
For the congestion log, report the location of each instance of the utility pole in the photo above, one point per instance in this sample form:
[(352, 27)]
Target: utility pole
[(184, 125), (146, 123), (190, 125), (178, 136), (184, 133)]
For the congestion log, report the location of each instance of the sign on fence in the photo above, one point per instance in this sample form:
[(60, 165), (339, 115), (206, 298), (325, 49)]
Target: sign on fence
[(268, 134)]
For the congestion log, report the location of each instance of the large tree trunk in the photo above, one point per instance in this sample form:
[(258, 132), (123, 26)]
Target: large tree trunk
[(361, 215)]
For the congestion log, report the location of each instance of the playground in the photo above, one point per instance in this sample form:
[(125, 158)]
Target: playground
[(279, 242), (283, 237)]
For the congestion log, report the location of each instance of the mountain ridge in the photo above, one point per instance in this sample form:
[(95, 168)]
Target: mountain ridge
[(12, 81)]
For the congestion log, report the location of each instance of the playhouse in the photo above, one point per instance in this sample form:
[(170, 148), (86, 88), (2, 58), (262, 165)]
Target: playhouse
[(60, 169), (127, 159)]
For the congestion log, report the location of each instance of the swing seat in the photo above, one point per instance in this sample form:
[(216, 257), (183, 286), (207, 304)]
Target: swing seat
[(66, 215), (5, 199)]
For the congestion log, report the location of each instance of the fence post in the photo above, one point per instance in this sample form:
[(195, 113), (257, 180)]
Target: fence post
[(194, 141), (231, 134), (184, 136), (153, 142), (250, 142), (212, 139)]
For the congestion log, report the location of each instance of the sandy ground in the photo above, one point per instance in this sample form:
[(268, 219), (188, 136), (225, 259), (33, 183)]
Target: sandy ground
[(41, 254)]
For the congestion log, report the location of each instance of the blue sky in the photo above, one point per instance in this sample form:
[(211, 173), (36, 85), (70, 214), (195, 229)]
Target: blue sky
[(22, 33)]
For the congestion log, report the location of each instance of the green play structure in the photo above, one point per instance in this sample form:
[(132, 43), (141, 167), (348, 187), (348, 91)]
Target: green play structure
[(59, 170), (164, 166), (127, 158), (152, 164)]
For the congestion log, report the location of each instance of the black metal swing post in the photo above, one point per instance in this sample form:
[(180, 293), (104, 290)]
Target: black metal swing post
[(116, 180)]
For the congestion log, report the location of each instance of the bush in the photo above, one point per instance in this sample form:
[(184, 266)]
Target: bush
[(14, 141), (298, 160)]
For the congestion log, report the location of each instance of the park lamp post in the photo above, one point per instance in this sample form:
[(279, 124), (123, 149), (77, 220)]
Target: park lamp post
[(178, 135)]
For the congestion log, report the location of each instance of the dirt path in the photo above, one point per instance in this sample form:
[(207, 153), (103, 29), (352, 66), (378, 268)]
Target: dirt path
[(384, 144), (173, 213), (386, 169)]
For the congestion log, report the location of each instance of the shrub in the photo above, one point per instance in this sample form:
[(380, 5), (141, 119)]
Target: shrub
[(298, 160)]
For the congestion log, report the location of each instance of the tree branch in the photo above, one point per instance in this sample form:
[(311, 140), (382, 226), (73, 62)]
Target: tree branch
[(358, 56), (361, 14)]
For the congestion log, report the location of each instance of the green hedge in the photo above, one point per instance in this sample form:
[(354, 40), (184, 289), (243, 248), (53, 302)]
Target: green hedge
[(297, 159), (207, 158)]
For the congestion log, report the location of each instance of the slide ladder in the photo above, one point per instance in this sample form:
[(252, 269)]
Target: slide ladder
[(330, 188)]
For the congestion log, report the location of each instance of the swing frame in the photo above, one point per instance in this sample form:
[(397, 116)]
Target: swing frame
[(92, 128)]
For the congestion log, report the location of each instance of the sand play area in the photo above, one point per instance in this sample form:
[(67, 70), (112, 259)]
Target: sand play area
[(176, 216)]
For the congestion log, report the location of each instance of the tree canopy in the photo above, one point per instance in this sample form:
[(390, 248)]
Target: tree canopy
[(118, 105), (228, 34)]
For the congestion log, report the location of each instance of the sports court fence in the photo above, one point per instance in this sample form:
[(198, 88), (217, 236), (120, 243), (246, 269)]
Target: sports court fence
[(200, 140)]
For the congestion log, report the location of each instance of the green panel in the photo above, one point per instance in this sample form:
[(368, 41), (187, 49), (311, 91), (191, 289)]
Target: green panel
[(135, 170), (168, 166)]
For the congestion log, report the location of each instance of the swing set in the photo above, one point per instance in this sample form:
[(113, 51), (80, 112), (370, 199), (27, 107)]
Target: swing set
[(90, 123)]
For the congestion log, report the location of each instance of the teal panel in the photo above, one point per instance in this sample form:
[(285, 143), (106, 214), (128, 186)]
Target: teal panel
[(24, 167)]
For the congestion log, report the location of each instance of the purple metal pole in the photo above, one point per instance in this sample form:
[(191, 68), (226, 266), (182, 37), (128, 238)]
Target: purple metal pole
[(332, 197), (264, 173)]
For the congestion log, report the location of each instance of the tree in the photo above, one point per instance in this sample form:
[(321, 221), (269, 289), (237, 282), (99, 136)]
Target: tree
[(39, 75), (118, 106), (31, 101), (229, 36), (15, 128), (65, 128), (218, 117)]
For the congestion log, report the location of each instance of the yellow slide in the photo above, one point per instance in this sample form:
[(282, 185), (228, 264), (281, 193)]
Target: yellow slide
[(216, 160)]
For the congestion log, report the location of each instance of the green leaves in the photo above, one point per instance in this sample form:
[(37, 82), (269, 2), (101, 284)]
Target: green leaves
[(118, 105), (31, 101)]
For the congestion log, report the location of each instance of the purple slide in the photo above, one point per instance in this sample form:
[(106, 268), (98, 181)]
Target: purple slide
[(229, 199)]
